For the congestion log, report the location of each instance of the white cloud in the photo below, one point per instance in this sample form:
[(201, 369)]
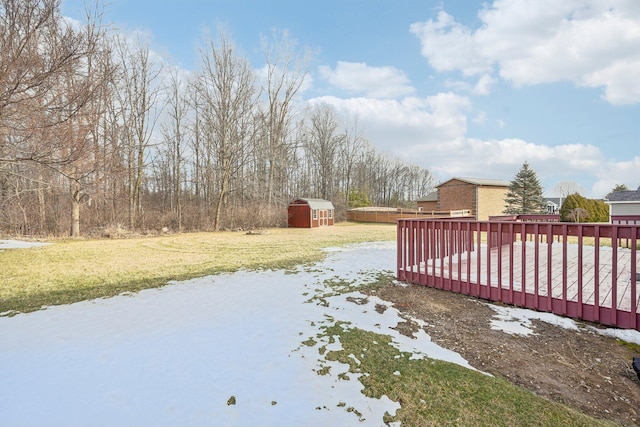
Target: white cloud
[(481, 118), (502, 158), (483, 87), (612, 173), (432, 132), (400, 124), (592, 43), (450, 46), (375, 82)]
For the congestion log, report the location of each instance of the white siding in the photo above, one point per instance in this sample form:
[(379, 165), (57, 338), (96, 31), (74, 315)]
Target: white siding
[(632, 208)]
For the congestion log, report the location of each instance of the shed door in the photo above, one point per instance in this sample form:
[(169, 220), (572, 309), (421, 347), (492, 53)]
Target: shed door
[(323, 218)]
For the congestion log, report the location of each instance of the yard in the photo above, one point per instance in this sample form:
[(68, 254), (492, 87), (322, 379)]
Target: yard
[(284, 333)]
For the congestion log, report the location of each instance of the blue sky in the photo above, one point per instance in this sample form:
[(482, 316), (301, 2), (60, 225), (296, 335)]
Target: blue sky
[(463, 88)]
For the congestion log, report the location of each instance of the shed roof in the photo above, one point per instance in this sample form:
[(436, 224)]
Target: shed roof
[(625, 196), (480, 182), (314, 203)]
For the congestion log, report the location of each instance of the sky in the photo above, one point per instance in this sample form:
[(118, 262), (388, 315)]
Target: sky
[(464, 88), (175, 355)]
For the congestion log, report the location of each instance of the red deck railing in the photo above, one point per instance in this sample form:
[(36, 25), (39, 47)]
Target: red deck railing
[(584, 271)]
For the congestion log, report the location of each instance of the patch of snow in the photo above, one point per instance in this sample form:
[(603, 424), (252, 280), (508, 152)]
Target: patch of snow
[(517, 321), (19, 244), (628, 335), (362, 317), (176, 355), (354, 358)]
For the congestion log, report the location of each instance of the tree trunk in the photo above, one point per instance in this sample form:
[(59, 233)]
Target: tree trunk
[(75, 209), (75, 218), (216, 221)]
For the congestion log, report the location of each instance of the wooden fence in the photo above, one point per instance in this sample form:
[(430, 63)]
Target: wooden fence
[(584, 271), (392, 215)]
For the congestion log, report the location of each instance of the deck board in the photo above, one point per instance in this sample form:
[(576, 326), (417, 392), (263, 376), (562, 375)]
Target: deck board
[(511, 276)]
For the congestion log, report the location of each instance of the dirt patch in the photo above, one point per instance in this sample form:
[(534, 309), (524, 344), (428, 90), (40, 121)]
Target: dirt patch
[(582, 369)]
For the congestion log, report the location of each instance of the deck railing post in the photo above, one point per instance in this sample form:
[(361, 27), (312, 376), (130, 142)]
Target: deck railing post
[(399, 246), (536, 262), (596, 273), (550, 239), (614, 275), (580, 269), (523, 264), (564, 269), (634, 280), (499, 256)]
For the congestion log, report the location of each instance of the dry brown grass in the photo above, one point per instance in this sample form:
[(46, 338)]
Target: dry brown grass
[(75, 270)]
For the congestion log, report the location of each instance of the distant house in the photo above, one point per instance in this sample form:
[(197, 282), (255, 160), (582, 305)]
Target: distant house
[(483, 197), (310, 213), (624, 207), (553, 204)]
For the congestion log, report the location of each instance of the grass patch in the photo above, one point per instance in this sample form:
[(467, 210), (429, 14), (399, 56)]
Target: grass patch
[(367, 281), (437, 393), (635, 348), (75, 270)]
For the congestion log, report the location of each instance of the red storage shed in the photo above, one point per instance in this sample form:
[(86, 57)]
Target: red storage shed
[(309, 213)]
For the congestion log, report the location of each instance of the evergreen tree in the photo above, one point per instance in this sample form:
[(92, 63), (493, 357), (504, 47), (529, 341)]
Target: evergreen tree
[(574, 209), (577, 208), (618, 187), (525, 193)]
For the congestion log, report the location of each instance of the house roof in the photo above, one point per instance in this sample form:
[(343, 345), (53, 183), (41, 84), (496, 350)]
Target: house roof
[(431, 197), (555, 200), (625, 196), (314, 203), (480, 182)]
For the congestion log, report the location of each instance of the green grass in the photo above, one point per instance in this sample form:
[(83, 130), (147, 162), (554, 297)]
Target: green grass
[(437, 393), (74, 270)]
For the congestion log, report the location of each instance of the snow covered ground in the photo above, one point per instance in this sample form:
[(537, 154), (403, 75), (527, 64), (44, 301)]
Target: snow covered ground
[(19, 244), (177, 355)]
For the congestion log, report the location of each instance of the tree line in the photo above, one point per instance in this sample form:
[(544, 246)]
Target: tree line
[(97, 131)]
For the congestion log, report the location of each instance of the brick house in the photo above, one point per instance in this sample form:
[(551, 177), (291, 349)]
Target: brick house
[(483, 197)]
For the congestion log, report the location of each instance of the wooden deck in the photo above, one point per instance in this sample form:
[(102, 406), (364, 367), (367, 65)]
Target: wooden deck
[(505, 269), (584, 271)]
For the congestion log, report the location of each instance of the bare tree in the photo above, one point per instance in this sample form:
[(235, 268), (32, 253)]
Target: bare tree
[(36, 47), (51, 77), (285, 74), (579, 214), (323, 142), (174, 132), (140, 104), (565, 188), (227, 84), (95, 74), (352, 145)]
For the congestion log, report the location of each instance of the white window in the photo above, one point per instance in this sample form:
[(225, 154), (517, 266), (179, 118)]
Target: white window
[(315, 214)]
